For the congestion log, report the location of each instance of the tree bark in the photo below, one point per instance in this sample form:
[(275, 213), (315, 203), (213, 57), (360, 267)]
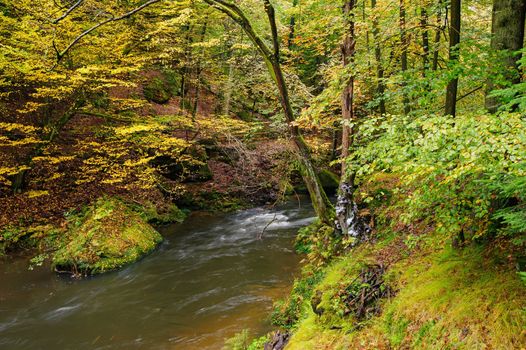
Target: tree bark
[(436, 50), (292, 27), (199, 72), (347, 220), (425, 41), (380, 86), (454, 41), (403, 57), (507, 38)]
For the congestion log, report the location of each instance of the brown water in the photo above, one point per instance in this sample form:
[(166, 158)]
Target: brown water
[(211, 278)]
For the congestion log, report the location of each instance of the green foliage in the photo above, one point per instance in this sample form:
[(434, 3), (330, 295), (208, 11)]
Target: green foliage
[(449, 168), (513, 96), (241, 341), (156, 90), (510, 196)]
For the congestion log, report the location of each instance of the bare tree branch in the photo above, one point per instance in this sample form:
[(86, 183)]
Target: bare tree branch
[(235, 13), (71, 9), (61, 54)]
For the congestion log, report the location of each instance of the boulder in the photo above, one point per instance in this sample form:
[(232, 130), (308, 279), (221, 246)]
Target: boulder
[(106, 237)]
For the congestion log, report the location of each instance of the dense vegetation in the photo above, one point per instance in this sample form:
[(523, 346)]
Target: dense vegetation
[(114, 114)]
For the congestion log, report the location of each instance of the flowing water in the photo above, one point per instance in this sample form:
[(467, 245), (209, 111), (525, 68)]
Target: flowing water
[(215, 275)]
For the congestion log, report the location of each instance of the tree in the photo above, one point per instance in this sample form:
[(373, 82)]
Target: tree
[(272, 57), (403, 57), (507, 38), (380, 87), (454, 41), (345, 203)]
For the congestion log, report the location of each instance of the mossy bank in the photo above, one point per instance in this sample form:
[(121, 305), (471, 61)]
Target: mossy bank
[(101, 237)]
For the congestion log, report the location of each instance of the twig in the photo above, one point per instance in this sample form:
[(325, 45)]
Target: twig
[(61, 54), (260, 236), (71, 9)]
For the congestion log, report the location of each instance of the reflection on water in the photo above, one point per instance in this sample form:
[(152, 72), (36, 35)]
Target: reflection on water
[(211, 278)]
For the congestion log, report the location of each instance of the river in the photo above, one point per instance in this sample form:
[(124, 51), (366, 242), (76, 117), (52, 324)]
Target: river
[(212, 277)]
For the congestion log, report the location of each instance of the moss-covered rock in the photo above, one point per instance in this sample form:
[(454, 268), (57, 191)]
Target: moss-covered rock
[(108, 236), (160, 215), (329, 181)]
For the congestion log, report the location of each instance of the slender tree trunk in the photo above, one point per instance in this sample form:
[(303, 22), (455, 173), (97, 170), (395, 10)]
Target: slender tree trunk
[(436, 50), (507, 38), (348, 51), (186, 58), (199, 72), (454, 41), (347, 220), (425, 41), (380, 87), (292, 27), (403, 57), (228, 88)]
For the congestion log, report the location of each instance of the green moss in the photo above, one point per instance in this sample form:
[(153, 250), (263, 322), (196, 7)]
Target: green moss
[(242, 341), (329, 181), (19, 237), (447, 299), (108, 236), (164, 215), (10, 237)]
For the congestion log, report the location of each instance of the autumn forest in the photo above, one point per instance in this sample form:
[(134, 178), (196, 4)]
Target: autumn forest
[(262, 174)]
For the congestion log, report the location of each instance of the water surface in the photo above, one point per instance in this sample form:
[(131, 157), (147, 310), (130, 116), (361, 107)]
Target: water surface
[(215, 275)]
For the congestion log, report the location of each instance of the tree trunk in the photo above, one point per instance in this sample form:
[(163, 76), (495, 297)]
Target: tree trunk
[(507, 37), (347, 220), (403, 58), (292, 27), (199, 72), (380, 87), (436, 50), (320, 201), (454, 41), (425, 41)]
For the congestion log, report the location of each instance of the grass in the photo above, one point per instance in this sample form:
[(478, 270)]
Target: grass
[(446, 299)]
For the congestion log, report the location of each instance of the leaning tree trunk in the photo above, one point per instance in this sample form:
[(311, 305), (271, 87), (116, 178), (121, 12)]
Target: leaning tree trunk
[(272, 57), (507, 37), (454, 41)]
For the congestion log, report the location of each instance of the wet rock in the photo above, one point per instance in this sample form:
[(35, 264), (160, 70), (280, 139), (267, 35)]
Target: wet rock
[(278, 341), (329, 181)]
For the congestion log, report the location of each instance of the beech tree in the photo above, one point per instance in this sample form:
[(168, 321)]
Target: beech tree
[(454, 41)]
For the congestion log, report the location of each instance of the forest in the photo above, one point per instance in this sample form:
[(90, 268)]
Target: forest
[(262, 174)]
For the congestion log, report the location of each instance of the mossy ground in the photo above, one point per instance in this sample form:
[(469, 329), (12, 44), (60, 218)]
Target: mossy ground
[(445, 298), (107, 236)]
